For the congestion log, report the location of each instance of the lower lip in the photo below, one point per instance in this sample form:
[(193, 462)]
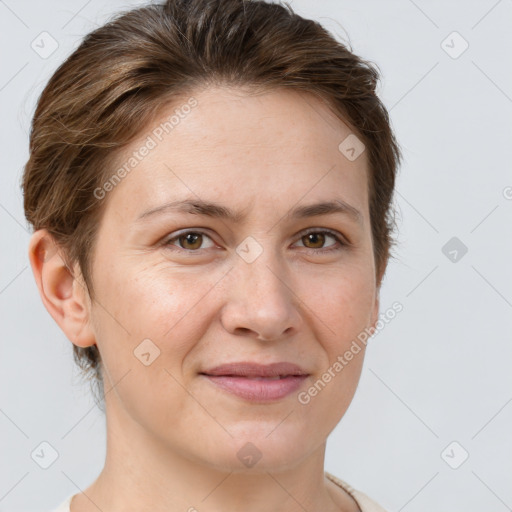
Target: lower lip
[(258, 390)]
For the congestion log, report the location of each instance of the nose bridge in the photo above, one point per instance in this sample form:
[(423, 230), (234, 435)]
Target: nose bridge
[(265, 275), (261, 298)]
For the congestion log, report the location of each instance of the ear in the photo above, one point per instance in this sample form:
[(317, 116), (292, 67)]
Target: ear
[(61, 288)]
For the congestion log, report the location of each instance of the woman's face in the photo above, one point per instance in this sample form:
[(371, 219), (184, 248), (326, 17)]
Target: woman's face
[(183, 289)]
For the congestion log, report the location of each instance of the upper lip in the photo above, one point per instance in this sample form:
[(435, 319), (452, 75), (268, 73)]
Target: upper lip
[(248, 369)]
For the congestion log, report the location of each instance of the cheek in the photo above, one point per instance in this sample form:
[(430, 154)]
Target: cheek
[(167, 307), (144, 333), (342, 304), (342, 298), (175, 308)]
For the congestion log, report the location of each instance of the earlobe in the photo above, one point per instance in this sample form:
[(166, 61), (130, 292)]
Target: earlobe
[(61, 291)]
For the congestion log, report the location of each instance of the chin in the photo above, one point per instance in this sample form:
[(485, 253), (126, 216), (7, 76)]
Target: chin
[(253, 450)]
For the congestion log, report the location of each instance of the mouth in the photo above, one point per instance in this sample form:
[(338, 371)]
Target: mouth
[(256, 382)]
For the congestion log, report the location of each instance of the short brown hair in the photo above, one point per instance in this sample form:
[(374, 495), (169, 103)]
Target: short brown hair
[(117, 80)]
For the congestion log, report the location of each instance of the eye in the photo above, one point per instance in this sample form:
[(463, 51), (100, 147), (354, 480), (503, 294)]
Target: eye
[(189, 240), (316, 239), (313, 239)]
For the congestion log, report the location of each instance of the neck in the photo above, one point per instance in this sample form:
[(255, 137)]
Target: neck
[(141, 472)]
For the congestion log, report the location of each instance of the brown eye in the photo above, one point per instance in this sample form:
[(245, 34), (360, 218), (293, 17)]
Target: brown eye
[(316, 240), (191, 241)]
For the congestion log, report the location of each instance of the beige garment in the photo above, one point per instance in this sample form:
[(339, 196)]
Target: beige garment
[(365, 503)]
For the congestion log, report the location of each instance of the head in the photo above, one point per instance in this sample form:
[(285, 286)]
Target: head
[(242, 104)]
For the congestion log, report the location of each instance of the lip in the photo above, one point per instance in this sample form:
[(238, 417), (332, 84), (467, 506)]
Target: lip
[(257, 382), (249, 369)]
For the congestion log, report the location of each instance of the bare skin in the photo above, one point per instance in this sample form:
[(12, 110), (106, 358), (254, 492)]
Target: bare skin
[(173, 436)]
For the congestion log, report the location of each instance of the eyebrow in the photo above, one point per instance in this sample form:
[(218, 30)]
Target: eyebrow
[(211, 209)]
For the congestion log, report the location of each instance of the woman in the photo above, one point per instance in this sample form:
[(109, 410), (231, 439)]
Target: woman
[(210, 184)]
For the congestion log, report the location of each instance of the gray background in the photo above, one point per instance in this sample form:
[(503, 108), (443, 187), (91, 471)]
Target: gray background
[(438, 373)]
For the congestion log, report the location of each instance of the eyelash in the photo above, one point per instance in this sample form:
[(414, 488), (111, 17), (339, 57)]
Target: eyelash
[(342, 244)]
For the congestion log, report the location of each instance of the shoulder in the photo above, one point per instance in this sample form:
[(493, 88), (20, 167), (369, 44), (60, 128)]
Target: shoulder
[(64, 506), (365, 503)]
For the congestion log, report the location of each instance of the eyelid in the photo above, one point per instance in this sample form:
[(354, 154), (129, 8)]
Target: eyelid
[(341, 239), (335, 234), (166, 242)]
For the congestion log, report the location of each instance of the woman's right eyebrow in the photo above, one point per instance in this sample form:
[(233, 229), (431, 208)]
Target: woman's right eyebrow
[(211, 209), (195, 206)]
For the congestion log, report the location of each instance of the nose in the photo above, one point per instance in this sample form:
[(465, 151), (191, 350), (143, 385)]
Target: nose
[(260, 301)]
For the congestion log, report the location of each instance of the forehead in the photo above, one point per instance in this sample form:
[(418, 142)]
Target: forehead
[(274, 148)]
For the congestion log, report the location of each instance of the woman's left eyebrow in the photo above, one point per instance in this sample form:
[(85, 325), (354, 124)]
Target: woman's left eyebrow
[(207, 208)]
